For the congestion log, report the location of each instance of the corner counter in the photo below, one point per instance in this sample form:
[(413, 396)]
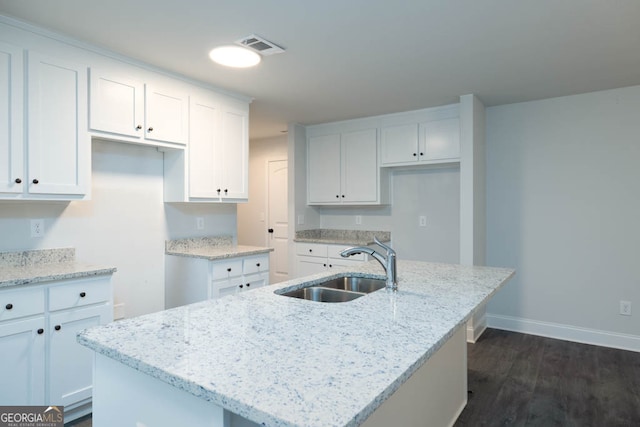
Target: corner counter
[(282, 361)]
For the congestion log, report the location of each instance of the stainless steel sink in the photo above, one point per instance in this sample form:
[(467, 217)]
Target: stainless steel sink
[(315, 293), (342, 289), (355, 284)]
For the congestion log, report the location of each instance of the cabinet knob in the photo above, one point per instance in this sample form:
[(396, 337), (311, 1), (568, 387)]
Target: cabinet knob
[(310, 250), (35, 181), (138, 127), (40, 331), (258, 264), (241, 286), (330, 265), (226, 191), (8, 306), (57, 327), (270, 230), (83, 294), (324, 265), (337, 196), (229, 269), (248, 284), (218, 190), (343, 196), (150, 129), (422, 154), (18, 181), (415, 154)]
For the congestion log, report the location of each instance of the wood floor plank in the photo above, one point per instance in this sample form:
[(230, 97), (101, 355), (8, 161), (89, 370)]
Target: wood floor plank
[(523, 380)]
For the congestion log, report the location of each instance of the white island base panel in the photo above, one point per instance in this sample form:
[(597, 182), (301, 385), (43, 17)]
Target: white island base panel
[(434, 396)]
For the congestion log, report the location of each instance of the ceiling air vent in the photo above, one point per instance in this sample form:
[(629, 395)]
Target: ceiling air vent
[(260, 45)]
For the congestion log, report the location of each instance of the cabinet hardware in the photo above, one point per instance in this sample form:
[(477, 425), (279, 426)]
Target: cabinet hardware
[(35, 181), (241, 286), (83, 294), (337, 196), (138, 127), (422, 154), (258, 265), (9, 306), (226, 191), (40, 331), (310, 250), (218, 190), (248, 284), (18, 181), (324, 265), (229, 269), (270, 230), (150, 129), (343, 196), (57, 327)]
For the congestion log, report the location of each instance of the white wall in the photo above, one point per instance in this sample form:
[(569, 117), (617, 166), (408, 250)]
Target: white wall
[(252, 227), (433, 192), (563, 201), (124, 225)]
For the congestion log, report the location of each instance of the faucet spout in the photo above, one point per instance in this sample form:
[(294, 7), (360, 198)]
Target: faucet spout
[(388, 262)]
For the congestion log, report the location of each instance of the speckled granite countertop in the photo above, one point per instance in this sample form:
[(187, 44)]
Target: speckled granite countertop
[(341, 237), (211, 248), (44, 265), (288, 362)]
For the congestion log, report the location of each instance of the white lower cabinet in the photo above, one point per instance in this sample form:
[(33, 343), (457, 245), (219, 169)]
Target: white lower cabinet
[(313, 258), (41, 359), (189, 280)]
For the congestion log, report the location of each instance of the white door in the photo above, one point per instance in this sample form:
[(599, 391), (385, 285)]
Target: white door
[(277, 216)]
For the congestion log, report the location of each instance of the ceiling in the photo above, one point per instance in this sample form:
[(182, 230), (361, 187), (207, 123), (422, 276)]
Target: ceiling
[(355, 58)]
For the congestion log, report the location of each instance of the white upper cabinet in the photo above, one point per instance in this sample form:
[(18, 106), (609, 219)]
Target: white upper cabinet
[(343, 169), (128, 108), (217, 166), (427, 142), (11, 119), (59, 152), (52, 160)]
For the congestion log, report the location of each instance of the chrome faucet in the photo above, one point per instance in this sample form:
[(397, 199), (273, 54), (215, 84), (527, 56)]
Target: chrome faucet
[(388, 263)]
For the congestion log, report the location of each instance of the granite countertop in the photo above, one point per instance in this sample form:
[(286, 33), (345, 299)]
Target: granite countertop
[(289, 362), (341, 237), (45, 265), (211, 248)]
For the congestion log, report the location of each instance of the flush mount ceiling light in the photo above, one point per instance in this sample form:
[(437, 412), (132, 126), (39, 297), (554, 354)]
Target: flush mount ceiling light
[(234, 56)]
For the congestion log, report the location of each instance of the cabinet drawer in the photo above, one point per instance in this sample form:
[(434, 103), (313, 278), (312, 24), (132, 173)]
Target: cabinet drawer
[(21, 303), (79, 293), (225, 269), (311, 249), (334, 252), (256, 264)]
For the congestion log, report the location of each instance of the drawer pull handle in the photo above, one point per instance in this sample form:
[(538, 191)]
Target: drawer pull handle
[(150, 129), (229, 269), (324, 265), (138, 127), (258, 265), (18, 181), (330, 266), (310, 250), (40, 331), (241, 286), (248, 284), (8, 306), (57, 327), (83, 294), (35, 181)]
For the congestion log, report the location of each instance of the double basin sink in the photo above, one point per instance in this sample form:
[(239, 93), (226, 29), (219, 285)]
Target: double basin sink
[(342, 289)]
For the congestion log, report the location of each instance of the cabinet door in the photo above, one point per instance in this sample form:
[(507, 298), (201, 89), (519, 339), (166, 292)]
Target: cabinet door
[(360, 166), (222, 288), (254, 281), (70, 364), (11, 119), (58, 141), (22, 368), (323, 169), (306, 266), (399, 144), (166, 115), (235, 153), (440, 140), (204, 158), (116, 104)]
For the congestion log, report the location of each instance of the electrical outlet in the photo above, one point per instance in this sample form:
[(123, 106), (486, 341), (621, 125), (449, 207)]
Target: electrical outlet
[(300, 219), (625, 308), (37, 227), (358, 219), (118, 311), (200, 223), (422, 220)]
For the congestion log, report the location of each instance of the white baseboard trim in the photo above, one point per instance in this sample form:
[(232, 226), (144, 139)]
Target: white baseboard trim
[(565, 332), (475, 328)]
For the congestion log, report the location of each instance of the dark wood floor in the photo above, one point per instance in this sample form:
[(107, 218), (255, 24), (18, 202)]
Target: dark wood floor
[(525, 380)]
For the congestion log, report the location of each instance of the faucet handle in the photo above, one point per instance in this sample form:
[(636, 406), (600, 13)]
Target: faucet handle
[(383, 246)]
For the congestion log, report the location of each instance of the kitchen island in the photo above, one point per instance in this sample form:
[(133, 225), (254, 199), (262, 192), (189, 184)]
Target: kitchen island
[(280, 361)]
